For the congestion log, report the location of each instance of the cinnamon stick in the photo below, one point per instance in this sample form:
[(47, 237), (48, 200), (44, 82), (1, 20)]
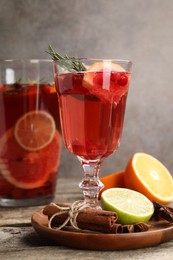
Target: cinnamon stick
[(94, 220), (139, 227), (90, 219)]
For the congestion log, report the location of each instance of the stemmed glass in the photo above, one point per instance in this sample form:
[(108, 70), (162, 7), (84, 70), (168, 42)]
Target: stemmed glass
[(92, 104)]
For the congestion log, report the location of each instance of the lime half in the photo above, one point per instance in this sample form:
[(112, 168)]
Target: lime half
[(131, 206)]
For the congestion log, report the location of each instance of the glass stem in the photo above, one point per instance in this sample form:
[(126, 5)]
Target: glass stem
[(91, 184)]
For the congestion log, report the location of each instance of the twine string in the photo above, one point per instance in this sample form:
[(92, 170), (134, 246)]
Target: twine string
[(72, 212)]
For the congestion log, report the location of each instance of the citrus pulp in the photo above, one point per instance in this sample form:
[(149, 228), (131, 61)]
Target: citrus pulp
[(146, 174), (131, 206), (27, 170), (34, 130)]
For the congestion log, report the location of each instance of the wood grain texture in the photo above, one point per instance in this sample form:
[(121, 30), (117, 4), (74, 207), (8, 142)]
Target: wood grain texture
[(18, 239)]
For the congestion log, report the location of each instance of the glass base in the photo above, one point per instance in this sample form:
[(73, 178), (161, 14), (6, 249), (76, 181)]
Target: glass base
[(91, 188), (26, 202), (91, 184)]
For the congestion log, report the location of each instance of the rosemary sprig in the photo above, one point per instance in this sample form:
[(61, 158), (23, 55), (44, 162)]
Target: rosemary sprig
[(70, 63)]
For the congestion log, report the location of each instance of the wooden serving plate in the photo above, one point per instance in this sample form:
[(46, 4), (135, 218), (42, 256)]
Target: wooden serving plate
[(159, 232)]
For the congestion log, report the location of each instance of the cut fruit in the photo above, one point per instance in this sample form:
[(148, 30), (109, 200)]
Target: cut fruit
[(113, 181), (106, 65), (100, 67), (146, 174), (34, 130), (131, 206), (107, 81), (27, 170)]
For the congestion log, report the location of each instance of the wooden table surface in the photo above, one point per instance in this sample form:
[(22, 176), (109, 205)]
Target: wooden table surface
[(18, 239)]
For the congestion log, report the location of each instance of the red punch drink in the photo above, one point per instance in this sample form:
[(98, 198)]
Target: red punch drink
[(92, 116), (29, 143)]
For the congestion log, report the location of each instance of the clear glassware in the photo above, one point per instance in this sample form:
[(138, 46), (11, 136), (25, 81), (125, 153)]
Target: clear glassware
[(92, 106), (30, 140)]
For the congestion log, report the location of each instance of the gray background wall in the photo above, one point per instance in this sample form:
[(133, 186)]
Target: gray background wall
[(128, 29)]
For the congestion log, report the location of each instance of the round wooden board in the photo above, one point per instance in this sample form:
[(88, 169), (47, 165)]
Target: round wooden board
[(160, 232)]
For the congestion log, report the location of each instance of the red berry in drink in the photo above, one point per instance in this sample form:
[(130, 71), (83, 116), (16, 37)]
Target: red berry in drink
[(119, 78), (122, 79)]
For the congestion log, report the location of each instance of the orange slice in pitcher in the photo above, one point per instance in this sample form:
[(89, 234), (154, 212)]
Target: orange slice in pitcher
[(34, 130), (28, 170)]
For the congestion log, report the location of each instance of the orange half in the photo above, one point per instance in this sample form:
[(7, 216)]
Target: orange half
[(147, 175)]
